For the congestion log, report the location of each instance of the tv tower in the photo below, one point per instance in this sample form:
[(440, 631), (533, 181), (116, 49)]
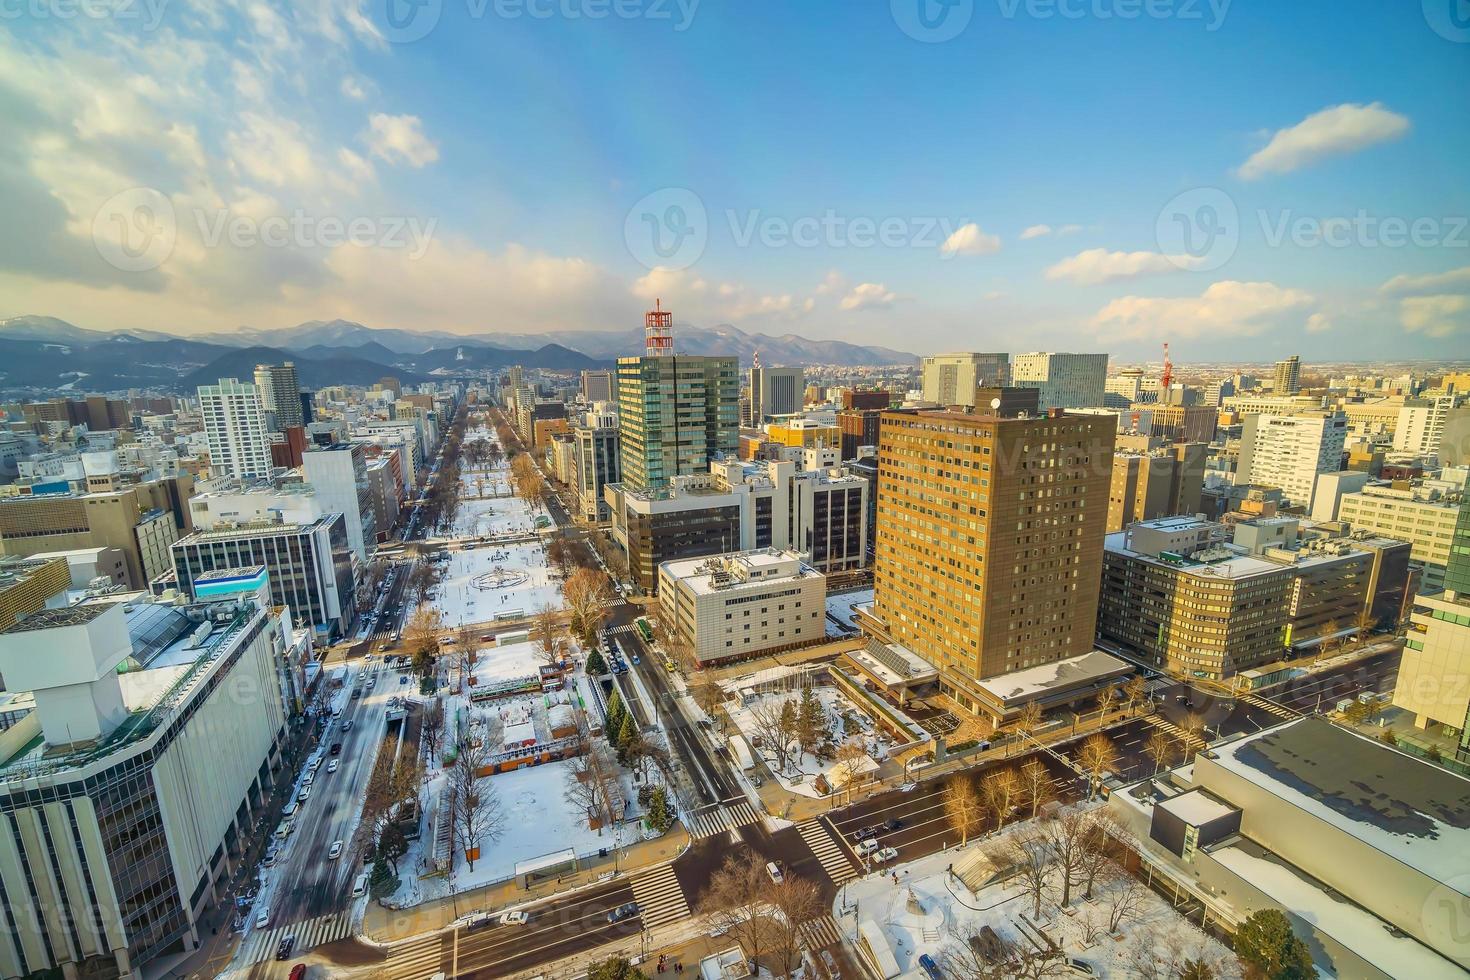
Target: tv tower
[(1166, 377), (658, 331)]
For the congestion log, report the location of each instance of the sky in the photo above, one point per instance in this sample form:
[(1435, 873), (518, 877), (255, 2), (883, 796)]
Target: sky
[(1241, 178)]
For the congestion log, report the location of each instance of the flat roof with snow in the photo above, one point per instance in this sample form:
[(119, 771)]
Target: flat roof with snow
[(1196, 807), (1407, 808), (1053, 678)]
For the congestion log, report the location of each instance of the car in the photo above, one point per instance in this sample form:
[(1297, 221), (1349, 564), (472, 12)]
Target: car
[(930, 967), (335, 851), (884, 855), (871, 830), (304, 795), (283, 951), (774, 870), (623, 912), (347, 725), (356, 693), (314, 764), (636, 661), (332, 766), (669, 666), (298, 972), (867, 847), (515, 917), (270, 858), (908, 787), (263, 917), (403, 679), (892, 824), (1081, 968), (309, 778), (289, 810), (336, 748)]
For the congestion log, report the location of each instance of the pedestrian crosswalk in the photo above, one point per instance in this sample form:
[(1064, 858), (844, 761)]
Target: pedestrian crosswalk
[(1179, 734), (323, 929), (820, 933), (828, 851), (719, 817), (1280, 711), (614, 630), (421, 957), (660, 897)]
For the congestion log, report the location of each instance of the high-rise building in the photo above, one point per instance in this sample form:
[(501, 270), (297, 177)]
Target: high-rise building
[(951, 379), (675, 414), (1287, 379), (597, 386), (1064, 380), (1421, 424), (1288, 451), (990, 539), (234, 422), (1421, 515), (596, 461), (280, 393), (1159, 482), (339, 474), (857, 427), (775, 391)]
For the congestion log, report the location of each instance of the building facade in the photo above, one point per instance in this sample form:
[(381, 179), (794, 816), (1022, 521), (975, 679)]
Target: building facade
[(737, 606), (339, 474), (1064, 380), (1423, 516), (1160, 482), (675, 414), (234, 422), (952, 379), (280, 394), (775, 391), (1289, 451)]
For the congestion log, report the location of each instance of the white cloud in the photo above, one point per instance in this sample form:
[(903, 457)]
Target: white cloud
[(996, 294), (1036, 231), (1066, 230), (272, 150), (1225, 309), (400, 139), (355, 167), (696, 298), (833, 282), (1318, 323), (868, 296), (1432, 283), (970, 240), (1345, 128), (352, 88), (1098, 265), (1435, 316)]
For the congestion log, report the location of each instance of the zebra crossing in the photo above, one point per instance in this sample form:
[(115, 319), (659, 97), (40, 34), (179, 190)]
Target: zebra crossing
[(828, 851), (1188, 738), (421, 958), (624, 628), (1279, 711), (820, 933), (660, 897), (309, 934), (719, 817)]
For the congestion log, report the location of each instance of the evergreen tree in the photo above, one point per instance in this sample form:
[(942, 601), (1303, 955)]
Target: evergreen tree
[(1270, 950), (810, 721), (660, 816), (615, 714), (596, 666), (627, 735)]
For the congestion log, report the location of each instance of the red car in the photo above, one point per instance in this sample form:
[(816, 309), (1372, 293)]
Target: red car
[(298, 972)]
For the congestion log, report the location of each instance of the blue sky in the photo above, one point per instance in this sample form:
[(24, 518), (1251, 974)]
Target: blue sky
[(506, 170)]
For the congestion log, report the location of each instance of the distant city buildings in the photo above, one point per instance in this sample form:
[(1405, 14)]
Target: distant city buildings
[(280, 394), (774, 392), (1287, 378), (1289, 451)]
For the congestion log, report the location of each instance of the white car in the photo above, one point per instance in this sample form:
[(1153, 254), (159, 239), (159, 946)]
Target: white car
[(332, 766), (867, 847), (885, 855), (263, 917), (335, 851), (515, 917)]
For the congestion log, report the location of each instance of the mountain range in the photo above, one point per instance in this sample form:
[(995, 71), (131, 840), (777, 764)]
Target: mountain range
[(42, 353)]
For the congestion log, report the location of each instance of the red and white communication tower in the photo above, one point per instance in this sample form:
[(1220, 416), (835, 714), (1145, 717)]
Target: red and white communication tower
[(658, 331), (1167, 376)]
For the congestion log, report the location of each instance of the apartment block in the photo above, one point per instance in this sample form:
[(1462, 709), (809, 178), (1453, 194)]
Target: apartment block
[(989, 540), (235, 423), (737, 606), (1289, 451), (1064, 380), (952, 379), (1160, 482), (280, 394)]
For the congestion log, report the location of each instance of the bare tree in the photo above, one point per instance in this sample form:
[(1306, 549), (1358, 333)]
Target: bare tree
[(1028, 720), (796, 901), (1098, 756), (1036, 785), (589, 783), (1123, 898), (774, 721), (1100, 844), (526, 480), (588, 596), (1108, 699), (392, 781), (543, 631), (1135, 691), (1160, 748), (1029, 856), (474, 808), (707, 694), (431, 727), (731, 904), (1193, 727), (1001, 791), (1067, 841), (964, 806), (421, 639)]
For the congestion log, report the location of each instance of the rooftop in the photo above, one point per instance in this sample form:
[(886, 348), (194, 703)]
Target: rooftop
[(1058, 676), (45, 619)]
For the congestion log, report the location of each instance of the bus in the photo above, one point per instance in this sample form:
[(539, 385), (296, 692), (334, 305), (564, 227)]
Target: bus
[(645, 630)]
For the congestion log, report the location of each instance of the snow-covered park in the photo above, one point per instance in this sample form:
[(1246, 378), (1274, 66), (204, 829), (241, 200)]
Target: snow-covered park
[(506, 581), (925, 908)]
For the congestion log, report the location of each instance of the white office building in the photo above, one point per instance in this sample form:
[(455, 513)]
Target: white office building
[(234, 422), (1063, 380), (775, 391), (731, 607), (1421, 424), (1289, 451), (339, 474), (951, 379)]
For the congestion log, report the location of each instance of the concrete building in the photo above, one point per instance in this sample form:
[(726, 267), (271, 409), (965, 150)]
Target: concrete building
[(857, 428), (234, 421), (597, 386), (775, 391), (1419, 513), (804, 433), (1159, 482), (1287, 378), (142, 521), (597, 461), (1289, 451), (1171, 423), (132, 790), (29, 584), (280, 394), (310, 565), (1184, 595), (988, 551), (1365, 848), (385, 489), (1432, 679), (737, 606), (952, 379), (1421, 424), (339, 474), (1064, 380), (1331, 488), (675, 414)]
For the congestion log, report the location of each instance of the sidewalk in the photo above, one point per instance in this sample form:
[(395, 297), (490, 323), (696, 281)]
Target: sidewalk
[(385, 925)]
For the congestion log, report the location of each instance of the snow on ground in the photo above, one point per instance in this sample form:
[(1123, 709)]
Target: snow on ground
[(945, 913), (843, 721), (840, 607), (496, 581)]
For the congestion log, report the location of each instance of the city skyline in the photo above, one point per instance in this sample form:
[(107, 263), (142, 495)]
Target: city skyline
[(559, 202)]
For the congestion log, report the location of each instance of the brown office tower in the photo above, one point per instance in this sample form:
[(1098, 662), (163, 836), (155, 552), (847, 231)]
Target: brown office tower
[(990, 539)]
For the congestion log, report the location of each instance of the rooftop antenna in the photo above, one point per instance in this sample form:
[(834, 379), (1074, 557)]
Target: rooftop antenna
[(658, 331)]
